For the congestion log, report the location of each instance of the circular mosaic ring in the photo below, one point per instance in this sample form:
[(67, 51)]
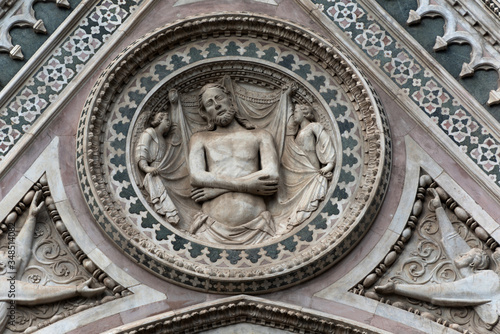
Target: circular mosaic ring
[(261, 55)]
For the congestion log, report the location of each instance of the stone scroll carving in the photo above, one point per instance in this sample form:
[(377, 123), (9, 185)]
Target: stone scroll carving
[(448, 270), (223, 163), (43, 278)]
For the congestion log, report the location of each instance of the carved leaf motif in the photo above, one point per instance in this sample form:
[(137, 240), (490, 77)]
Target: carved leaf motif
[(35, 274), (44, 311), (429, 251), (415, 269), (446, 273), (23, 320), (65, 269)]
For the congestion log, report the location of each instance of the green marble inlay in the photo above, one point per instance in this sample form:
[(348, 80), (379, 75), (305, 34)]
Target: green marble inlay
[(52, 17), (415, 80), (479, 85)]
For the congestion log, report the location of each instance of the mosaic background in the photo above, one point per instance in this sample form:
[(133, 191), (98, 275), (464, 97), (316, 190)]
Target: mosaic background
[(52, 17), (61, 67), (419, 83)]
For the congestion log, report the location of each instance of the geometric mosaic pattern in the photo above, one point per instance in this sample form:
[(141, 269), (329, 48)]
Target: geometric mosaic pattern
[(415, 81), (17, 115)]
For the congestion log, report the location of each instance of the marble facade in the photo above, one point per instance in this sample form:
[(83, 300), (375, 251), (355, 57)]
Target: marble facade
[(395, 111)]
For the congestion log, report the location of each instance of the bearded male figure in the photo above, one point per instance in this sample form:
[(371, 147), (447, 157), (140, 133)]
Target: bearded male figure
[(233, 166)]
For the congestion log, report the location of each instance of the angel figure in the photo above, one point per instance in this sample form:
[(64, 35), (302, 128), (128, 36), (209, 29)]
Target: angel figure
[(150, 153), (307, 163), (478, 286)]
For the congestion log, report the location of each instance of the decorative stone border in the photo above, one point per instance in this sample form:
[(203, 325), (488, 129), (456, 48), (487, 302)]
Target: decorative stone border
[(245, 309), (319, 255), (24, 103), (493, 5), (488, 32), (465, 29)]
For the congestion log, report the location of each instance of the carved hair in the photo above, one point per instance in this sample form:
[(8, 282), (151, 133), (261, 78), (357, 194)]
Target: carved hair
[(307, 109), (210, 122), (480, 260), (158, 118)]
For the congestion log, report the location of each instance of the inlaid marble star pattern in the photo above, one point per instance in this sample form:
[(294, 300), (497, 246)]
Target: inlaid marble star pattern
[(48, 83), (433, 98)]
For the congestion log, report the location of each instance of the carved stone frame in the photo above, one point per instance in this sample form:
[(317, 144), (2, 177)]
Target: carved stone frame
[(304, 264), (246, 309)]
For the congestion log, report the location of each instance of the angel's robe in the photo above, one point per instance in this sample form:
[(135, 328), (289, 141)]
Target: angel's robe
[(302, 187)]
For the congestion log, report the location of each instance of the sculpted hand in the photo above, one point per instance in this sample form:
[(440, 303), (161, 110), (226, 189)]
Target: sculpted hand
[(387, 288), (84, 289), (264, 185), (205, 194), (173, 96), (36, 204), (289, 88), (153, 171), (326, 172), (436, 201)]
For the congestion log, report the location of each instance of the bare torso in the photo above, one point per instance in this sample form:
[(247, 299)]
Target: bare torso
[(233, 155)]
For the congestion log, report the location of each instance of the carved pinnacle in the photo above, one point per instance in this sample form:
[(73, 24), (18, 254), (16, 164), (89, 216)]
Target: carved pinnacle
[(440, 45), (16, 53)]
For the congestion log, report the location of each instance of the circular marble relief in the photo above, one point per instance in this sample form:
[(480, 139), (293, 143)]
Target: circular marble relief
[(234, 154)]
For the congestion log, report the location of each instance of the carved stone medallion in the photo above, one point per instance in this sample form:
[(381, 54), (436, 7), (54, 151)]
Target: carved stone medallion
[(233, 153)]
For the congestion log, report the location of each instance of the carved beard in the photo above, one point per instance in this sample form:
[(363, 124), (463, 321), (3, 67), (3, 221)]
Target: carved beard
[(226, 118)]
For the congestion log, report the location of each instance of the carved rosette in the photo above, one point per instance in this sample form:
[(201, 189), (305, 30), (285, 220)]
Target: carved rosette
[(262, 54)]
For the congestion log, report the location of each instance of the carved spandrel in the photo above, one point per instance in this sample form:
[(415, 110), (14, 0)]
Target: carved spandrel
[(447, 269), (44, 277)]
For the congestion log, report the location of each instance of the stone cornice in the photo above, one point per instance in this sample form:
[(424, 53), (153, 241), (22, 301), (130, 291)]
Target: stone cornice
[(245, 309)]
